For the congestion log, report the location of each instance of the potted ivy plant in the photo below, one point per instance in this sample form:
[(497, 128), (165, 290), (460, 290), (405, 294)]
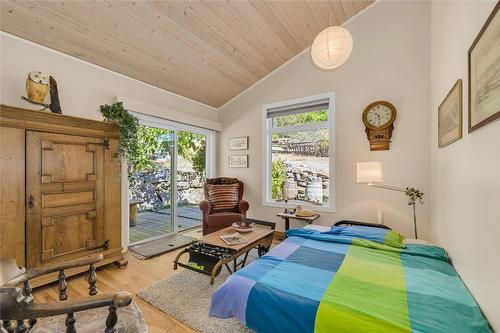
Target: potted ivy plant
[(128, 148)]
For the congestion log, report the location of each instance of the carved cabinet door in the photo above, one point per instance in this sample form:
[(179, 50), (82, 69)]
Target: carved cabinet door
[(64, 196)]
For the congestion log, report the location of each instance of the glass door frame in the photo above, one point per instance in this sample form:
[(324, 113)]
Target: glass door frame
[(165, 124)]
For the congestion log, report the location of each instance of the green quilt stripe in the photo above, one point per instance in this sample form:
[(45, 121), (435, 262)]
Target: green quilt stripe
[(394, 239), (379, 304)]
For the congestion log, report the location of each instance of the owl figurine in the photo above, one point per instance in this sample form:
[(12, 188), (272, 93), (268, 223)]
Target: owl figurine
[(37, 87)]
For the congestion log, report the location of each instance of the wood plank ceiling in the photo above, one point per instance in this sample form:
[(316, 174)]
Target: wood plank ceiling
[(208, 51)]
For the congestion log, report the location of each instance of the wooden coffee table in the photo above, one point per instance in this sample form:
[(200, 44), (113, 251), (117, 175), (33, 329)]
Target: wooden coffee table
[(261, 237)]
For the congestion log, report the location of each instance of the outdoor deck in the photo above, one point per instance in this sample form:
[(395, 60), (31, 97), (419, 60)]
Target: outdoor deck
[(150, 224)]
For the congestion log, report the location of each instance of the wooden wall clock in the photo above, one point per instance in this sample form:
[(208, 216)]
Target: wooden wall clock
[(379, 118)]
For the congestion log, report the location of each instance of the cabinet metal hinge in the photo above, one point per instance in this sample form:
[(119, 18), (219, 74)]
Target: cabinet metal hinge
[(104, 143), (104, 246)]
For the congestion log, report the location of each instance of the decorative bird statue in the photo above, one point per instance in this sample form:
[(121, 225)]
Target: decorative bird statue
[(38, 85)]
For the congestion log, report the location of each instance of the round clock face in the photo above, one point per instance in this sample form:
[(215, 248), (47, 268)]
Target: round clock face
[(379, 115)]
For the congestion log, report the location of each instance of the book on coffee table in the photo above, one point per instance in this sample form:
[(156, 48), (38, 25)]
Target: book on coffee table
[(234, 239)]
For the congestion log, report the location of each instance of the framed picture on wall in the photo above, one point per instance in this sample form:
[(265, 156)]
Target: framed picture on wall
[(239, 143), (238, 161), (450, 116), (484, 74)]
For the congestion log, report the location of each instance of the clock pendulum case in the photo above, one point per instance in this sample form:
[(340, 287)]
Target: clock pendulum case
[(379, 118)]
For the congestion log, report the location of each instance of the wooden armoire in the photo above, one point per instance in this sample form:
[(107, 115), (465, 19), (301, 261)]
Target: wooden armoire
[(60, 190)]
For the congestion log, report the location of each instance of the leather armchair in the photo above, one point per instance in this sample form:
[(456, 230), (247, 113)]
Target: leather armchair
[(214, 221)]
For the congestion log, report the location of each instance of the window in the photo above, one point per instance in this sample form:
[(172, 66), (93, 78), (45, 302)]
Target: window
[(299, 154)]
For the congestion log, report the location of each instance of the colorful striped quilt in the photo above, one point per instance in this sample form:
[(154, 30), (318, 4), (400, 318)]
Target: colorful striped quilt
[(344, 281)]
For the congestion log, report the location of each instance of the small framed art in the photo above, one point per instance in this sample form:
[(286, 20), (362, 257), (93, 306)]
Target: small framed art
[(238, 161), (239, 143), (450, 116), (484, 70)]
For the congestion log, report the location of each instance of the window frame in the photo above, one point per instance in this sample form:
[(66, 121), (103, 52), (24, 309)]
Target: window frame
[(269, 130)]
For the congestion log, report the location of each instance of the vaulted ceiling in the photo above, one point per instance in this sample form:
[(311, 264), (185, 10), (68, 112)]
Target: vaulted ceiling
[(208, 51)]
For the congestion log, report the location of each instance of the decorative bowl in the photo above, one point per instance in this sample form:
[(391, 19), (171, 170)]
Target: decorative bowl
[(236, 226)]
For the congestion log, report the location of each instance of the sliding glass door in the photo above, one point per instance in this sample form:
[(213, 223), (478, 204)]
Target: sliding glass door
[(191, 174), (167, 184), (150, 186)]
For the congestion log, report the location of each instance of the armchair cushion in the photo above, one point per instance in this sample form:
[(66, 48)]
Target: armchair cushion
[(223, 197), (222, 220), (130, 320)]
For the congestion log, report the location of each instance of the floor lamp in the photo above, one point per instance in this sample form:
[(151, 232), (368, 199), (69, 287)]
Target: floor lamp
[(371, 173)]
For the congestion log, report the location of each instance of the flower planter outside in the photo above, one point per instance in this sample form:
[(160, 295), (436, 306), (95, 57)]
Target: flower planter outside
[(133, 211)]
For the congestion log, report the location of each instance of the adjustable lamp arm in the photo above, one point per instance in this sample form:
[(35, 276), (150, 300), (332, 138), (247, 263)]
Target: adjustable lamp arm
[(389, 187)]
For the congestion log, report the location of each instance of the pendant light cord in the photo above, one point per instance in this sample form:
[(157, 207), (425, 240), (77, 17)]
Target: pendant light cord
[(330, 13)]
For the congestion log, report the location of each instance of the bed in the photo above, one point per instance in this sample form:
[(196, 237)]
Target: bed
[(349, 279)]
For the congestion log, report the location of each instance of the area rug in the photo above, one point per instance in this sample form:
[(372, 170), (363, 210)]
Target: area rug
[(186, 297), (159, 246)]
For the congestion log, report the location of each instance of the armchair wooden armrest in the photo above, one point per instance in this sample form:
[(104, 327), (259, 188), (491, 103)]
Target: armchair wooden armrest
[(22, 276), (36, 272), (36, 310), (16, 306)]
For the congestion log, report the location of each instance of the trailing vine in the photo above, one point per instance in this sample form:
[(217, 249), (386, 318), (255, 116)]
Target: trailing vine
[(129, 127)]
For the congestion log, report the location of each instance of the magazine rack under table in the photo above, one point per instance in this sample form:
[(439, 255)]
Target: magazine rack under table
[(213, 252)]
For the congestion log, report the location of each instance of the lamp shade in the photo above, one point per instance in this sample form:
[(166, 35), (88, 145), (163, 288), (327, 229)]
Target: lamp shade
[(369, 172), (331, 47)]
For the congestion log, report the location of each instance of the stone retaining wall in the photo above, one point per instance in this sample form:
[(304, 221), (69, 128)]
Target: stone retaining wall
[(152, 188), (301, 175)]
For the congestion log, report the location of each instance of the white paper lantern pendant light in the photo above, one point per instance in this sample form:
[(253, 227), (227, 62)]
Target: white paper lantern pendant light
[(331, 47)]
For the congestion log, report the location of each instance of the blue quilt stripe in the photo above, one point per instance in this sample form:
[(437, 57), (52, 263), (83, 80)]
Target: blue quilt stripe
[(434, 284), (258, 269), (279, 311), (232, 305), (328, 261), (326, 246), (282, 252), (447, 316), (305, 281)]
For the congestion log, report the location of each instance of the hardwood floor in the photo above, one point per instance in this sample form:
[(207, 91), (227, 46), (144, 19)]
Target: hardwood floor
[(138, 275)]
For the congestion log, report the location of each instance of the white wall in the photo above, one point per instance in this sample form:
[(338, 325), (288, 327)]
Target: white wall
[(390, 61), (465, 175)]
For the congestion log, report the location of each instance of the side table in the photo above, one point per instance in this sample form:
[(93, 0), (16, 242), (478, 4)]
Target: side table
[(288, 216)]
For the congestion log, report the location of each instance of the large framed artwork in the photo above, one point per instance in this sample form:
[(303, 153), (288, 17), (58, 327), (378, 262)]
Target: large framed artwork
[(484, 74), (450, 116)]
